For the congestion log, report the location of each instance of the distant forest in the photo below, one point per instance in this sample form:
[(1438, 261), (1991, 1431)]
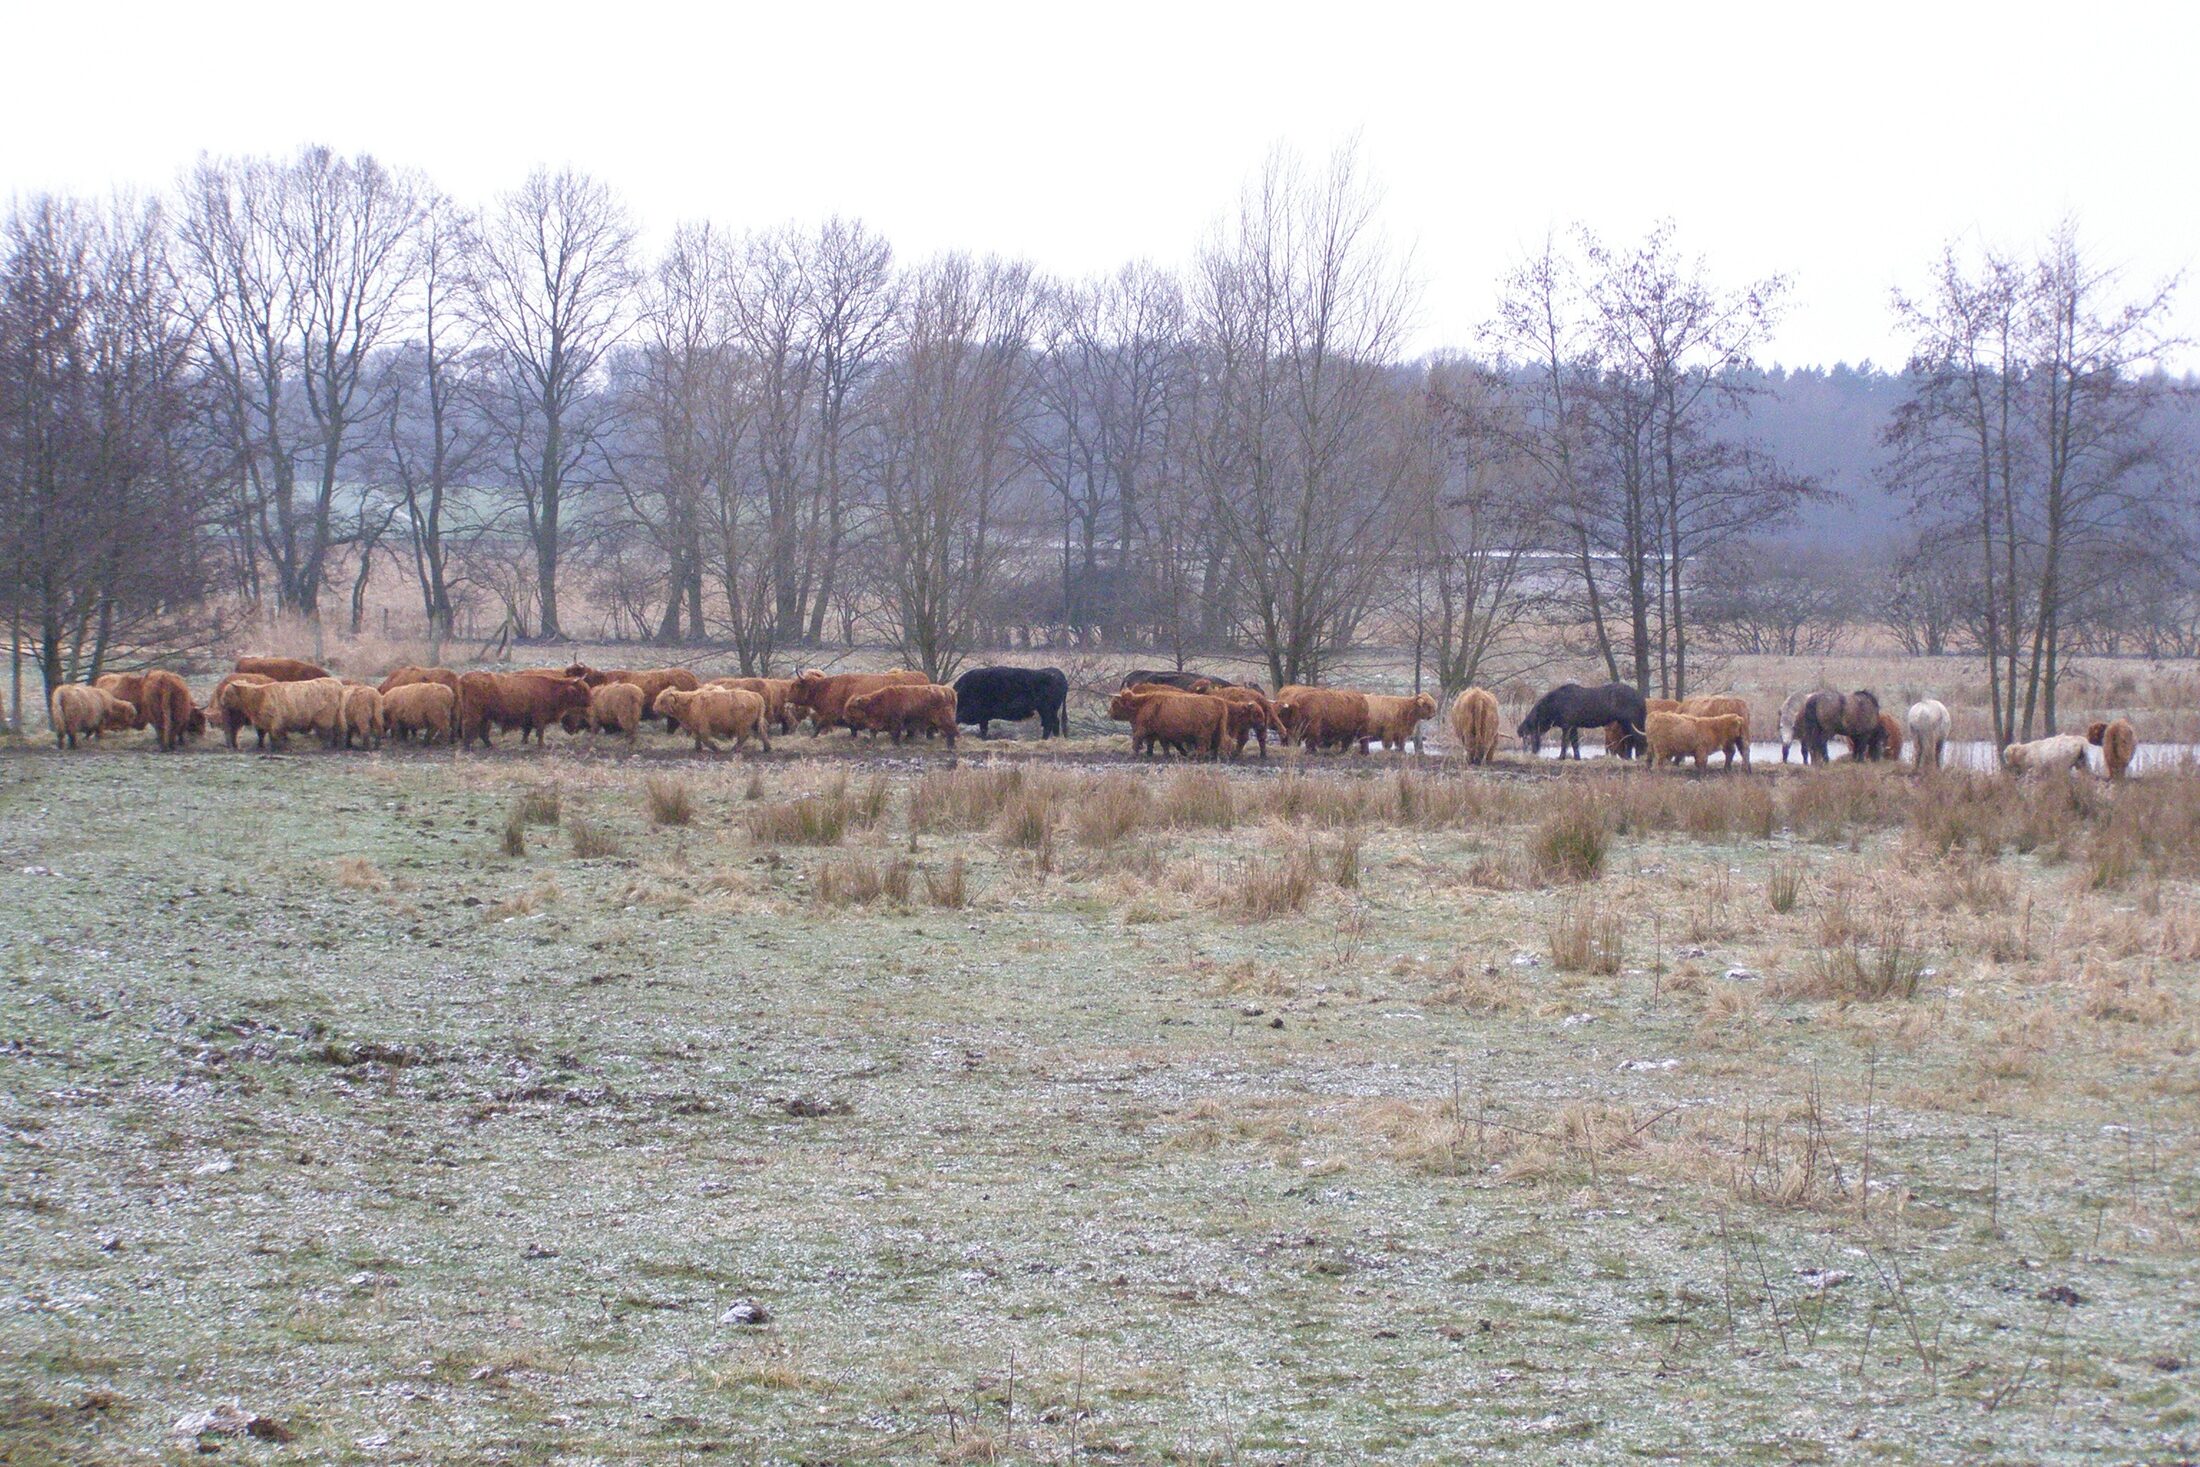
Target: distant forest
[(295, 387)]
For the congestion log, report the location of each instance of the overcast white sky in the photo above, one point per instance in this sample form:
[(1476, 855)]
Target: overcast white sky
[(1841, 145)]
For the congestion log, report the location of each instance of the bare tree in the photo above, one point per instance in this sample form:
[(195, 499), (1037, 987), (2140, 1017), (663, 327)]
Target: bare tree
[(1298, 311), (437, 434), (104, 490), (550, 284), (1473, 528), (2033, 432), (853, 314), (301, 273), (945, 450)]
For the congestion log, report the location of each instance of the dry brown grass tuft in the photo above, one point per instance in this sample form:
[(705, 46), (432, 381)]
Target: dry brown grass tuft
[(1482, 988), (949, 887), (590, 837), (537, 805), (670, 799), (1199, 799), (1784, 886), (1573, 839), (1587, 937), (951, 800), (1262, 889), (857, 880), (821, 819), (1883, 962), (356, 873), (1110, 809), (1026, 821), (1839, 802)]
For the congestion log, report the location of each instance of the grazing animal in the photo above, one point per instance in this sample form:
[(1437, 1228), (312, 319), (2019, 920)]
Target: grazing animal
[(423, 708), (282, 669), (1570, 708), (363, 715), (615, 708), (824, 697), (775, 691), (164, 703), (1251, 714), (984, 695), (1853, 716), (1187, 682), (127, 686), (531, 702), (2118, 743), (405, 677), (1188, 723), (2056, 755), (1718, 705), (1928, 721), (1790, 710), (279, 709), (651, 681), (1890, 738), (77, 710), (1474, 724), (904, 710), (1677, 736), (230, 710), (1396, 721), (709, 714), (1322, 718)]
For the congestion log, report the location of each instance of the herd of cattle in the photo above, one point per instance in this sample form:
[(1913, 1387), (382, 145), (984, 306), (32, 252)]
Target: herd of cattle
[(1187, 713)]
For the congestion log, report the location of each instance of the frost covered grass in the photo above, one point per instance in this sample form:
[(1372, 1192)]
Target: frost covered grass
[(1065, 1114)]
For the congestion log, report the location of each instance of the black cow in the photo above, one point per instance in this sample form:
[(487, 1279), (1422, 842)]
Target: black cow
[(1570, 708), (984, 694), (1163, 679)]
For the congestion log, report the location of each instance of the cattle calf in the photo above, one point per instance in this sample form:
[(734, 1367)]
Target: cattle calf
[(714, 713), (78, 710), (2118, 743), (422, 708)]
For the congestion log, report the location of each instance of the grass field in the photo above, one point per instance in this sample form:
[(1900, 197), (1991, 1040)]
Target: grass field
[(555, 1108)]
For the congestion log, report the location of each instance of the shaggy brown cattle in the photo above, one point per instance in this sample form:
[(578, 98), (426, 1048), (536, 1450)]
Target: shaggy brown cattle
[(229, 710), (127, 686), (615, 708), (279, 709), (775, 691), (1677, 736), (1256, 720), (1716, 705), (2118, 743), (407, 676), (651, 680), (363, 715), (1474, 724), (77, 710), (903, 710), (427, 709), (1662, 705), (281, 669), (164, 703), (1395, 721), (1890, 738), (824, 697), (1187, 722), (528, 701), (1322, 718), (714, 713)]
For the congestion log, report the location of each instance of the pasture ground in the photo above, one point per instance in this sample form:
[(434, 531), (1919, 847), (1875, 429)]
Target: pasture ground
[(453, 1110)]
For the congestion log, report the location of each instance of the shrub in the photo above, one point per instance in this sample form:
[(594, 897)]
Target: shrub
[(1587, 937), (670, 800), (590, 837), (1572, 841)]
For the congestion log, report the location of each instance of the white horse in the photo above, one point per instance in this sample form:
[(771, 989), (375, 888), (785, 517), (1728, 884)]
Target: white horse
[(1928, 731)]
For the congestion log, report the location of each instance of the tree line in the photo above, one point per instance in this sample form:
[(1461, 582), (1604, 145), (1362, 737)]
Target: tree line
[(294, 383)]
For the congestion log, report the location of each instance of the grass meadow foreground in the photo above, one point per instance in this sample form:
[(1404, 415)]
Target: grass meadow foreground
[(567, 1109)]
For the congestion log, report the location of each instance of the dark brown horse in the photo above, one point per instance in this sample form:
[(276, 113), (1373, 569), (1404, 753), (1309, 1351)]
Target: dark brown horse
[(1853, 716)]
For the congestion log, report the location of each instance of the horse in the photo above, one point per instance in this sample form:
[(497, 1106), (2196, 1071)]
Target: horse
[(1570, 708), (1853, 716), (1789, 711)]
